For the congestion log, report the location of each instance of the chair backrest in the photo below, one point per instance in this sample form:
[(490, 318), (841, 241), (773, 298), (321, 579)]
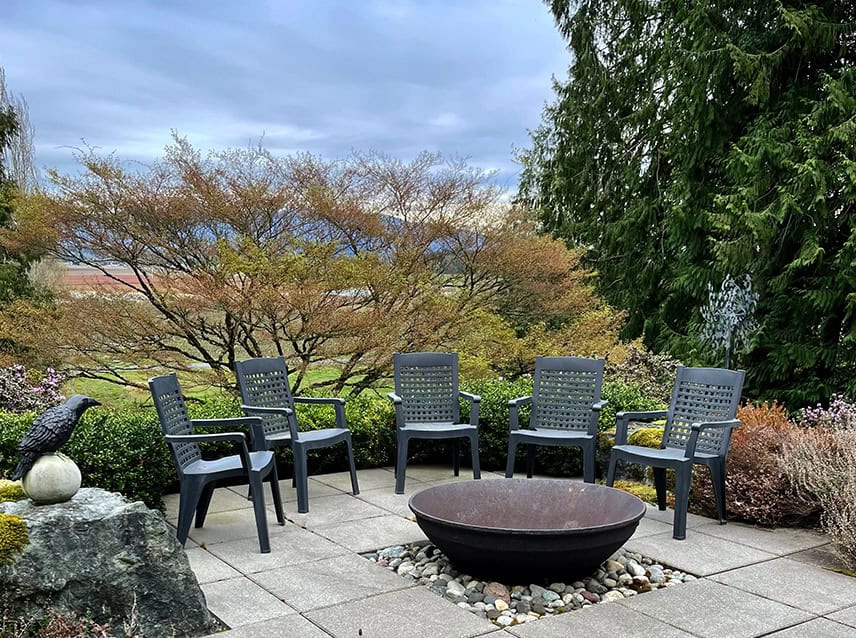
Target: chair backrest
[(172, 412), (699, 395), (564, 390), (264, 383), (427, 383)]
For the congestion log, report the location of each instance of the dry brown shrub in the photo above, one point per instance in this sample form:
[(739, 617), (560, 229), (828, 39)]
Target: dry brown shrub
[(821, 462), (757, 488), (54, 625)]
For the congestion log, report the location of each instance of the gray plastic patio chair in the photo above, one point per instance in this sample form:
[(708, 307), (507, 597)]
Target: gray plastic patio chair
[(426, 407), (198, 477), (265, 392), (566, 404), (699, 421)]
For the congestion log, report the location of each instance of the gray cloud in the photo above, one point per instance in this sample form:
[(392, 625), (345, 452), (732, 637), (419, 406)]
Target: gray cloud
[(463, 78)]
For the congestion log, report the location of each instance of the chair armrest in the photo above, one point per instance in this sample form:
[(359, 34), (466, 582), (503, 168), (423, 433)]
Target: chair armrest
[(648, 415), (697, 428), (514, 403), (338, 404), (708, 425), (255, 424), (334, 400), (475, 403), (201, 438), (399, 413), (236, 437), (513, 414), (231, 421), (596, 407), (622, 420), (259, 437), (260, 410)]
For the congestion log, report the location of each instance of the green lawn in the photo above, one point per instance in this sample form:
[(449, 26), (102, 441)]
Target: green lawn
[(193, 385)]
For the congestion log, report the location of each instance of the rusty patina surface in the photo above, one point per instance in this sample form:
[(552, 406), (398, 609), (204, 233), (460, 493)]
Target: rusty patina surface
[(527, 528)]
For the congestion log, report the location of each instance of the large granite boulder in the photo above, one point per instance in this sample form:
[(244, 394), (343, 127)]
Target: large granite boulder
[(102, 556)]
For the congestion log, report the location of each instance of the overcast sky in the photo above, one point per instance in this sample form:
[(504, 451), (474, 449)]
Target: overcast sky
[(462, 77)]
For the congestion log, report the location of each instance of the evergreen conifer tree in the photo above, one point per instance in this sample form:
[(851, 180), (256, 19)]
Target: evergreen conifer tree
[(694, 139)]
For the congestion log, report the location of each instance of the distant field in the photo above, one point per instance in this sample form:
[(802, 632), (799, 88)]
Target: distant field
[(116, 396)]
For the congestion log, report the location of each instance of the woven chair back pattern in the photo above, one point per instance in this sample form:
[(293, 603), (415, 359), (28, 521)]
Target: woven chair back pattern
[(172, 412), (696, 401), (428, 393), (264, 383), (562, 399)]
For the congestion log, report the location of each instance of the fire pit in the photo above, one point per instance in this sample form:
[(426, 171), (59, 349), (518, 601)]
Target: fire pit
[(527, 528)]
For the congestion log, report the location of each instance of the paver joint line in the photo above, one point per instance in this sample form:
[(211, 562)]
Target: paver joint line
[(737, 543)]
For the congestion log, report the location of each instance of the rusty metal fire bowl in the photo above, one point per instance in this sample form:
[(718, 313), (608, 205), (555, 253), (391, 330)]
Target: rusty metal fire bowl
[(527, 528)]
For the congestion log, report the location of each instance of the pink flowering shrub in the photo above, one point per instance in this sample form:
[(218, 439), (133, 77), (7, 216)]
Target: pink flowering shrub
[(21, 391), (840, 415)]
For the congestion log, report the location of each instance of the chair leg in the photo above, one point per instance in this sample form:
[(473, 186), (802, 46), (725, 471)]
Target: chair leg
[(301, 476), (259, 510), (512, 452), (588, 464), (273, 478), (355, 488), (203, 503), (187, 499), (456, 456), (530, 460), (474, 455), (682, 493), (717, 478), (610, 474), (401, 464), (660, 485)]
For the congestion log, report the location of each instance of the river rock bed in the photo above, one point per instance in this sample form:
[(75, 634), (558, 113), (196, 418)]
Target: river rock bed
[(623, 575)]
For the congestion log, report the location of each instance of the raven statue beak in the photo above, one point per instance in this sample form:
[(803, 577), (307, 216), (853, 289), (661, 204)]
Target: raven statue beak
[(94, 402)]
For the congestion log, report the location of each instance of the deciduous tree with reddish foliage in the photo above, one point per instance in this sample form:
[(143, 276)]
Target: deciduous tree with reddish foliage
[(241, 254)]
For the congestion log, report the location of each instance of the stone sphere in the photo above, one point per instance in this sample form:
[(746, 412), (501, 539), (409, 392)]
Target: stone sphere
[(54, 478)]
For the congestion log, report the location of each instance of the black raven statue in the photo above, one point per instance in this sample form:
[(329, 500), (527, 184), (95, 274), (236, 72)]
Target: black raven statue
[(50, 432)]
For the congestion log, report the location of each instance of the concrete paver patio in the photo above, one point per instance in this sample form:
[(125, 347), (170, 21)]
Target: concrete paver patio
[(753, 582)]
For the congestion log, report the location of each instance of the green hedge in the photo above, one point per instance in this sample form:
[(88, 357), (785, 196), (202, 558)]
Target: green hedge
[(124, 451), (118, 451)]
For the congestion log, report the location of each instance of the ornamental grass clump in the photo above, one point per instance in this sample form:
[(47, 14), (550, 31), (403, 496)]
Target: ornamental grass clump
[(821, 461)]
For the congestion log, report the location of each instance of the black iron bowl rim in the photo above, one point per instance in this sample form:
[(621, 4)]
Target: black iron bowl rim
[(533, 531)]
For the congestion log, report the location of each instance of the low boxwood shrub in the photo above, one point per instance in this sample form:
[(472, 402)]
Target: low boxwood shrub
[(124, 450), (120, 451)]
